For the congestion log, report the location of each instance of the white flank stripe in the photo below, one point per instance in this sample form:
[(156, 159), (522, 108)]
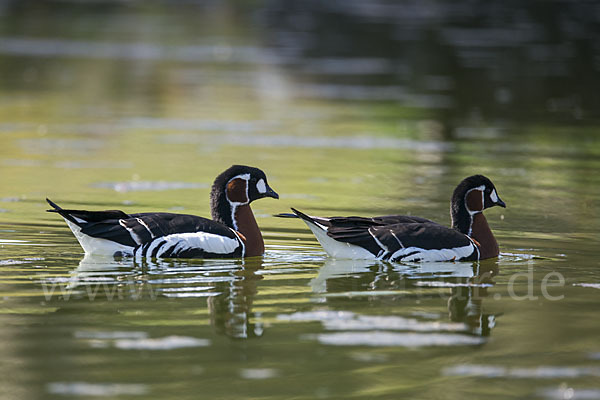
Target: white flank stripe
[(384, 248), (133, 235), (396, 237), (145, 226), (81, 221), (455, 253), (208, 242), (138, 254), (153, 246), (318, 224)]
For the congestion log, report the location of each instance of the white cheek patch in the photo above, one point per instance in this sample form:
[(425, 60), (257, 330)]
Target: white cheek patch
[(261, 186), (494, 196)]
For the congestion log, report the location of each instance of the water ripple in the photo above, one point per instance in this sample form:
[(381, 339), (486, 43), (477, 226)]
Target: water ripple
[(568, 393), (96, 389), (588, 285), (258, 373), (346, 320), (371, 330), (542, 372), (137, 186), (371, 322), (387, 339), (359, 142), (105, 335), (165, 343), (54, 47)]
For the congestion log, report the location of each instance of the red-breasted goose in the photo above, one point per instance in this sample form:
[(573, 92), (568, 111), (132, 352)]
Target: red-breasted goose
[(233, 231), (407, 238)]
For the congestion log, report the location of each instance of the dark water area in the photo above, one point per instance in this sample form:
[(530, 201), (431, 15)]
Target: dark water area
[(466, 61), (351, 108), (505, 62)]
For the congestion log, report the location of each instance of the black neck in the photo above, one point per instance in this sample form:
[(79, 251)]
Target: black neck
[(220, 208), (462, 221)]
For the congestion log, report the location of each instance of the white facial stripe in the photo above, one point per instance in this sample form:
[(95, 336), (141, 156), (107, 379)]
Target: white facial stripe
[(234, 204), (245, 177), (482, 200), (494, 196), (261, 186), (481, 189), (233, 221)]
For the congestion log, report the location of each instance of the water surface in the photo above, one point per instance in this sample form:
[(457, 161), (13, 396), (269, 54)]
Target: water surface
[(140, 107)]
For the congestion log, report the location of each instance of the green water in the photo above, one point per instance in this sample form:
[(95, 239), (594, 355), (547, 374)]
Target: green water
[(140, 107)]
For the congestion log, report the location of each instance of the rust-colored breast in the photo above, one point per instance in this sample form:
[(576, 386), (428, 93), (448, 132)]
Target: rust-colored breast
[(250, 231), (482, 233)]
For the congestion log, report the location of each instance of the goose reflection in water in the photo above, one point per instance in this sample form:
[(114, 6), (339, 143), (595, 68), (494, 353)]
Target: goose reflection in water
[(465, 303), (387, 283), (100, 277), (230, 286), (231, 310)]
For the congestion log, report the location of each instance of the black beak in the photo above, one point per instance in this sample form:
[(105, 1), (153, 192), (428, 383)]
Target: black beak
[(271, 193), (500, 203)]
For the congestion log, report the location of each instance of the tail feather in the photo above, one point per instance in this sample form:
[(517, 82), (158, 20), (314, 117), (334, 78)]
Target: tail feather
[(79, 217), (322, 222), (308, 218), (334, 248), (63, 213), (81, 220), (53, 205), (286, 215)]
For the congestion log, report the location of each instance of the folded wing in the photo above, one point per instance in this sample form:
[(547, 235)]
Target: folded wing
[(139, 229), (412, 240), (152, 234)]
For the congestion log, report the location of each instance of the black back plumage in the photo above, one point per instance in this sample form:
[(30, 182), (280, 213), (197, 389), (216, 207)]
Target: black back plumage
[(353, 222), (123, 228), (88, 216), (384, 236), (147, 226), (365, 232), (385, 240)]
